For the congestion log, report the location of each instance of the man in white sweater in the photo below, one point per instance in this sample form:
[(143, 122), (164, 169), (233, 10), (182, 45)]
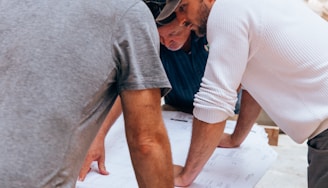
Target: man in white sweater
[(277, 51)]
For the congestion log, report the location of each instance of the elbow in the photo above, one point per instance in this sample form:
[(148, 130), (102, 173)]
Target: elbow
[(146, 145)]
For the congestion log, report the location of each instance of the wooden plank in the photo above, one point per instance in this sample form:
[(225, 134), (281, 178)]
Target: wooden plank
[(273, 134)]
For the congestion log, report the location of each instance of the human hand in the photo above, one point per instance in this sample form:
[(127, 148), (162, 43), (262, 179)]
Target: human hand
[(96, 153), (178, 178)]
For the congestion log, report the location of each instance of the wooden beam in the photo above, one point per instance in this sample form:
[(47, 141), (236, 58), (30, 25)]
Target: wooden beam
[(273, 134)]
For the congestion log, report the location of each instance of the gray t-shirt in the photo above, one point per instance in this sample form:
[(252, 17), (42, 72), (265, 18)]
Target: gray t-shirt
[(62, 64)]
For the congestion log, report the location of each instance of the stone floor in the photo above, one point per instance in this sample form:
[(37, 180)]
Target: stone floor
[(290, 168)]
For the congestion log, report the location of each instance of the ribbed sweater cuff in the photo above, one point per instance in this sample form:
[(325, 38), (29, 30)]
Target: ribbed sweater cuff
[(209, 115)]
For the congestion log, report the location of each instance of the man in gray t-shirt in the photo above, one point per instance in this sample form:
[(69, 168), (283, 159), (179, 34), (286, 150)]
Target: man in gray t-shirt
[(62, 65)]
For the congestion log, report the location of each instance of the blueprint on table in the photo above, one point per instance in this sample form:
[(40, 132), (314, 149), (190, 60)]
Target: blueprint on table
[(227, 168)]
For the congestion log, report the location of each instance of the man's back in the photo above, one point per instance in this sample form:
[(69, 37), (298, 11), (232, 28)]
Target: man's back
[(58, 60), (285, 56)]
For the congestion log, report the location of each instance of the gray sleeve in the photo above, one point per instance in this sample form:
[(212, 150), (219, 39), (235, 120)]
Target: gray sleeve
[(136, 48)]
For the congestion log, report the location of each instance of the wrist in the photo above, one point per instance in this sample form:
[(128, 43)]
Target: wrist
[(188, 177), (235, 141)]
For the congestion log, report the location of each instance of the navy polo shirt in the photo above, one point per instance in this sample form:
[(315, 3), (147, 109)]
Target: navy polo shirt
[(185, 71)]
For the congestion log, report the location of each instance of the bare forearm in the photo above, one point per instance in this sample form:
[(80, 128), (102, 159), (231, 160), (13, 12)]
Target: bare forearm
[(97, 149), (147, 139), (152, 161), (111, 117), (249, 111), (203, 143)]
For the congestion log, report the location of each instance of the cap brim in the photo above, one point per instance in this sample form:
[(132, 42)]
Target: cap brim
[(167, 11)]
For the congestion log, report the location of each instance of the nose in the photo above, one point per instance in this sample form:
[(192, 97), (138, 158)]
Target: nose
[(182, 19), (184, 22)]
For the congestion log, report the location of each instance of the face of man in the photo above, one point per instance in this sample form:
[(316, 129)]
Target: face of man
[(193, 14), (173, 35)]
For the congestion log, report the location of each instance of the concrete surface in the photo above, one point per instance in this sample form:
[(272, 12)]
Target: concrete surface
[(290, 168)]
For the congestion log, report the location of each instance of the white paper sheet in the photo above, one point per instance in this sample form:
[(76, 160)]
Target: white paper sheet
[(227, 168)]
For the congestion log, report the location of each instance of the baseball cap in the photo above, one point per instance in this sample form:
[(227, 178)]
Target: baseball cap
[(168, 10), (156, 7)]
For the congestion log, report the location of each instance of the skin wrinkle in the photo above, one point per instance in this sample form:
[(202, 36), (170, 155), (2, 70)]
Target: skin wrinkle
[(173, 36)]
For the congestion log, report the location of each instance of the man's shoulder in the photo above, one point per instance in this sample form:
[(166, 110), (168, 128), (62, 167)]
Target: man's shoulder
[(128, 8)]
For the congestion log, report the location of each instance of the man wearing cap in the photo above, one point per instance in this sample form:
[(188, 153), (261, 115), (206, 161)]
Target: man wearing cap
[(278, 55), (183, 56)]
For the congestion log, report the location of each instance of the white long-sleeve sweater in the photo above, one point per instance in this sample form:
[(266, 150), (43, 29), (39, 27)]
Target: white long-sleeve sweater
[(278, 51)]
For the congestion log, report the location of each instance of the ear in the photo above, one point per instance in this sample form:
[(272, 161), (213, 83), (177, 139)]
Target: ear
[(209, 3)]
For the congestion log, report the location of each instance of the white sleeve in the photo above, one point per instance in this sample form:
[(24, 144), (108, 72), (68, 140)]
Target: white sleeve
[(227, 33)]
